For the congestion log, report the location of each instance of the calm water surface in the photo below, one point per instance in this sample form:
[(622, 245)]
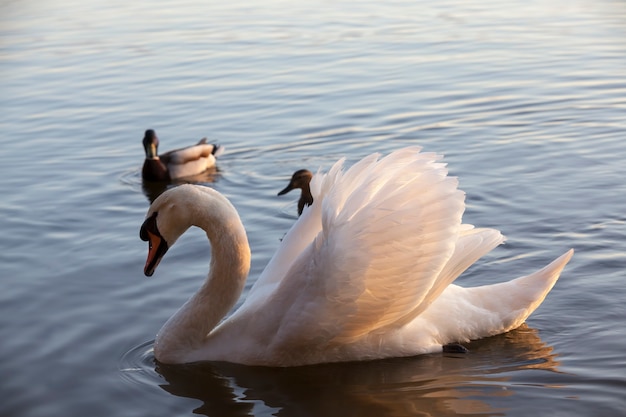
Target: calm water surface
[(527, 100)]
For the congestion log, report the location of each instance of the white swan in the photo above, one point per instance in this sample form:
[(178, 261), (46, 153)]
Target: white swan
[(364, 273)]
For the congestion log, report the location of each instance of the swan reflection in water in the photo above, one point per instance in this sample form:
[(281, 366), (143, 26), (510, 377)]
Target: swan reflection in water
[(427, 385), (153, 189)]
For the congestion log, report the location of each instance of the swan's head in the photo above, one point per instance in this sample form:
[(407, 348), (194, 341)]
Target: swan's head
[(151, 144), (179, 208), (299, 179), (167, 219)]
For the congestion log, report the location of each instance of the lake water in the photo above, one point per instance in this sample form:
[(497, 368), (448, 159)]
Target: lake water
[(527, 100)]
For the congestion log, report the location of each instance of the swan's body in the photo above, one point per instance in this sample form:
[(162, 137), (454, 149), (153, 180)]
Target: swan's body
[(300, 179), (365, 273), (177, 163)]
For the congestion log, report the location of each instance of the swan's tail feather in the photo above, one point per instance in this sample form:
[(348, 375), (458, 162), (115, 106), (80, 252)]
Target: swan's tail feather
[(471, 246), (463, 314), (532, 289)]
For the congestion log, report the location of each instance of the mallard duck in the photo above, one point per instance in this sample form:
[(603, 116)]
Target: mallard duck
[(177, 163)]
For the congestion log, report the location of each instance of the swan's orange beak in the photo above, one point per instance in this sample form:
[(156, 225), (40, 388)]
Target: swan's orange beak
[(157, 246)]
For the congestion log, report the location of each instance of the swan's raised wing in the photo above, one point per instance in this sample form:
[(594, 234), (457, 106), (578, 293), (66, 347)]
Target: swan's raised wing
[(388, 229)]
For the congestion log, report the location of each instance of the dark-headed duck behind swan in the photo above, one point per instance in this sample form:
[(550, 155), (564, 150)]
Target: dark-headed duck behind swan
[(177, 163), (300, 179)]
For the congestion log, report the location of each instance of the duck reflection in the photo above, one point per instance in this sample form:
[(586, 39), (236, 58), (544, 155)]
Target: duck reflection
[(429, 385), (153, 189)]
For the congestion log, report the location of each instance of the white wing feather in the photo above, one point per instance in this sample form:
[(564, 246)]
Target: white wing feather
[(389, 227)]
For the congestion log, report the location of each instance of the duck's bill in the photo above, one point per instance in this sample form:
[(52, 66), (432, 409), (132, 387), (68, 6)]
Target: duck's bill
[(286, 189), (151, 151)]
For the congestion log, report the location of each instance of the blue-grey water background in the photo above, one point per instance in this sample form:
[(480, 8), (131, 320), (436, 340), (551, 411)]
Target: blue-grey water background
[(527, 100)]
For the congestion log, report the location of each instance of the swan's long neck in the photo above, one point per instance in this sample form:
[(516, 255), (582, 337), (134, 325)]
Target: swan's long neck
[(188, 329)]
